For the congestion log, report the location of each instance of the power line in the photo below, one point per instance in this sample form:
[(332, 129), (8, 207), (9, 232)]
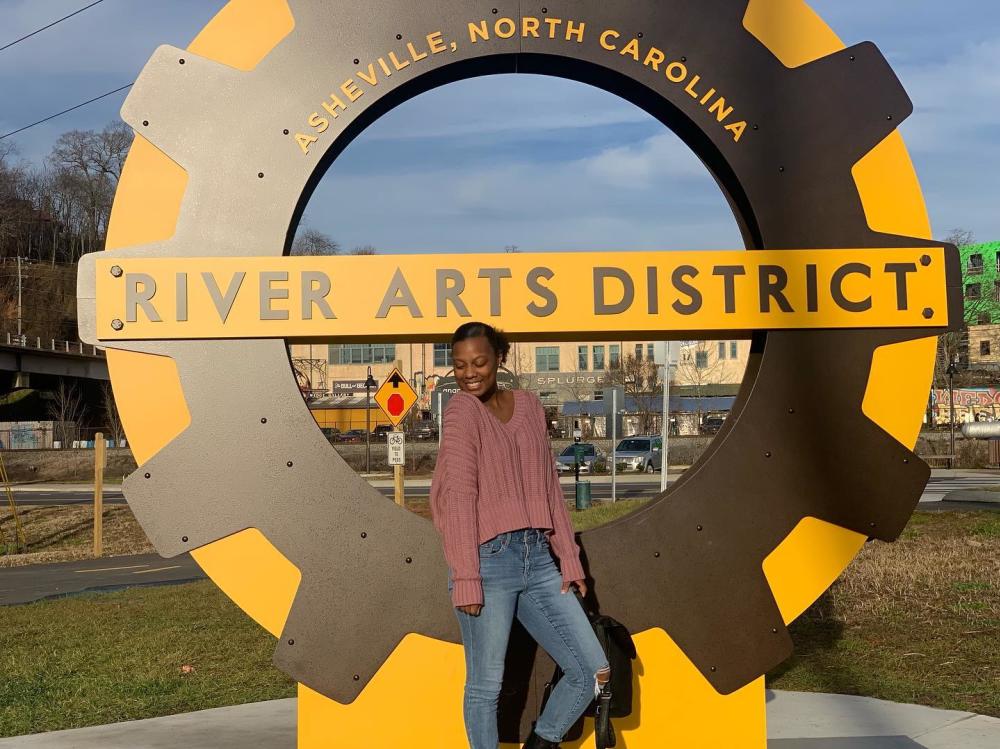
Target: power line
[(39, 31), (65, 111)]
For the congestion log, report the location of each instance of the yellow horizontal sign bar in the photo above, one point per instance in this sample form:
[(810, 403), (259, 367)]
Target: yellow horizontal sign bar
[(425, 297)]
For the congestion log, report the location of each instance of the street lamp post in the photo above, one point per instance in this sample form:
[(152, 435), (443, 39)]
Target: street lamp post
[(952, 369), (369, 384)]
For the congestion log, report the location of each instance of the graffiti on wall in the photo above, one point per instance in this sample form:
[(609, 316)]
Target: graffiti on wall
[(967, 397)]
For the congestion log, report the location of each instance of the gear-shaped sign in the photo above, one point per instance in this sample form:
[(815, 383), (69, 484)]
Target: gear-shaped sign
[(232, 136)]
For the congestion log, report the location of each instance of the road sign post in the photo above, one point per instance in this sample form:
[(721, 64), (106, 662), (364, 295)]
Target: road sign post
[(396, 397), (100, 455), (396, 445)]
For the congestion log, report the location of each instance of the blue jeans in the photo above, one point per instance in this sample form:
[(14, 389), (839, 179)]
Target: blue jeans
[(520, 579)]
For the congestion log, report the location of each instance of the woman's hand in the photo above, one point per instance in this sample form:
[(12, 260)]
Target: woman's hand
[(471, 609), (581, 586)]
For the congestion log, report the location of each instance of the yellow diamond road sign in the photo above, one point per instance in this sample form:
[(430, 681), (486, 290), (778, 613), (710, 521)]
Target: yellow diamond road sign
[(395, 397)]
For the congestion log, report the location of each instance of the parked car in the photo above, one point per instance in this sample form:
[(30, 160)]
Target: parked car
[(425, 430), (331, 433), (639, 454), (353, 435), (592, 457), (381, 431), (712, 424)]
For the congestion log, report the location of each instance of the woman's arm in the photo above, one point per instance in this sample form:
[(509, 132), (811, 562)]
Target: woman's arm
[(454, 494)]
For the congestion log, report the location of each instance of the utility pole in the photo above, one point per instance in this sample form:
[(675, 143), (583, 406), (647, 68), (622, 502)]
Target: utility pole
[(952, 370), (20, 314), (614, 443), (369, 384), (665, 424)]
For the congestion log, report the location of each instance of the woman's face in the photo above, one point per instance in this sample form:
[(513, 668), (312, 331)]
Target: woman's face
[(475, 365)]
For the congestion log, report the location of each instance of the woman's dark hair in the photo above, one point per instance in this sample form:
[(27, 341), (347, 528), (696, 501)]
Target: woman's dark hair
[(498, 341)]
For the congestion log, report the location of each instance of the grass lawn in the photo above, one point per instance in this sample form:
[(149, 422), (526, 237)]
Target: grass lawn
[(915, 621), (97, 659), (62, 533)]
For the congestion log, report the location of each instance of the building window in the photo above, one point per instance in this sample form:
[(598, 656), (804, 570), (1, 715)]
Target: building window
[(638, 352), (984, 348), (734, 352), (598, 395), (701, 360), (548, 395), (996, 291), (975, 264), (547, 359), (973, 291), (615, 355), (442, 354), (984, 318), (650, 352), (598, 358), (362, 353), (581, 356), (722, 350), (998, 262)]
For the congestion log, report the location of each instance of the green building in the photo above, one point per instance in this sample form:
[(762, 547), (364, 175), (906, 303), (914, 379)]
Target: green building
[(981, 279)]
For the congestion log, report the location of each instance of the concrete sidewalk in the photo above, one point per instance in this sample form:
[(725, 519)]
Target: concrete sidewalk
[(796, 720)]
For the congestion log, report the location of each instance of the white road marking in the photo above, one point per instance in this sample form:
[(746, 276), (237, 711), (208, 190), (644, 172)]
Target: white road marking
[(113, 569), (158, 569)]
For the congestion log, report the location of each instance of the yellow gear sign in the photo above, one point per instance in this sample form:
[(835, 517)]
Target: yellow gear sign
[(689, 712)]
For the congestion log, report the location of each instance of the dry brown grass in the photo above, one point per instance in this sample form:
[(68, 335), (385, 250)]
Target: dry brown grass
[(914, 621), (939, 564), (62, 533)]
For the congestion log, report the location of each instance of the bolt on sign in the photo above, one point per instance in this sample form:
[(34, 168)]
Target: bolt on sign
[(840, 285), (395, 397)]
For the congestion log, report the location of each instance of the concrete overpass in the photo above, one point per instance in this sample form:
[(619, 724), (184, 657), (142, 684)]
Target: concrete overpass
[(32, 362)]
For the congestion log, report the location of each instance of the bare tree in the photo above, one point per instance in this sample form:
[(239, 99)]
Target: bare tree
[(88, 165), (112, 418), (66, 410), (314, 243), (698, 367), (365, 249), (960, 237), (49, 217), (953, 346), (519, 364), (640, 380)]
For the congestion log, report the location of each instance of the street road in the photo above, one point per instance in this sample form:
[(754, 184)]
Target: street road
[(630, 486), (35, 582), (24, 584)]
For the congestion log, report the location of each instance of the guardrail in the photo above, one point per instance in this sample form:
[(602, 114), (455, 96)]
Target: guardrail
[(52, 345)]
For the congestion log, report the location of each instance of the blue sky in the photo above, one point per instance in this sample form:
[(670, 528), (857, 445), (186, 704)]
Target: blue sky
[(537, 162)]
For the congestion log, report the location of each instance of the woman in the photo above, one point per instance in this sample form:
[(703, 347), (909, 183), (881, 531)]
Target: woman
[(496, 500)]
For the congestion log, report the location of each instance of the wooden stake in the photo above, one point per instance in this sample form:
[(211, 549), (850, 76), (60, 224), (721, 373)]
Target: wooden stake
[(99, 460), (398, 476)]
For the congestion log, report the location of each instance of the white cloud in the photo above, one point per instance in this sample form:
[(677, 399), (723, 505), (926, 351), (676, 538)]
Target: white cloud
[(654, 195), (641, 165), (505, 104)]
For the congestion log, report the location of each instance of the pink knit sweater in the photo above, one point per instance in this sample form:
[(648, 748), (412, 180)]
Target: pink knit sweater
[(493, 477)]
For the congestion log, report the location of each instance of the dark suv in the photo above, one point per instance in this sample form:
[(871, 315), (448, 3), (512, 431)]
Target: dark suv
[(425, 430), (712, 424), (382, 430)]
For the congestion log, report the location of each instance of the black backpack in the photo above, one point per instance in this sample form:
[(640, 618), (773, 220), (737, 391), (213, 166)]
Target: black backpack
[(620, 650)]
